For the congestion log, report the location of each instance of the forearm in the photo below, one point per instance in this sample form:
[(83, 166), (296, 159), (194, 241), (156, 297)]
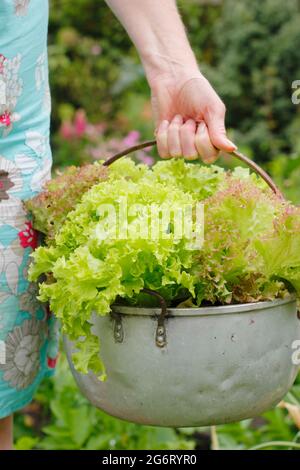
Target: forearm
[(157, 31), (189, 115)]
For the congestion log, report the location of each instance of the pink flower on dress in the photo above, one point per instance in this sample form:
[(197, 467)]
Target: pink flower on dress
[(52, 362), (29, 236), (13, 86), (5, 119)]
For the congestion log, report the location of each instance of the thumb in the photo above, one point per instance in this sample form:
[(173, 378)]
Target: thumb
[(217, 132)]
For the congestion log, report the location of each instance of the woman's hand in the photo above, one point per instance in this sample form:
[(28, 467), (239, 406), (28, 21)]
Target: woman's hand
[(190, 118)]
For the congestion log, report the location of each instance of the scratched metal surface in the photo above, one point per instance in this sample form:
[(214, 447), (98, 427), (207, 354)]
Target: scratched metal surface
[(220, 364)]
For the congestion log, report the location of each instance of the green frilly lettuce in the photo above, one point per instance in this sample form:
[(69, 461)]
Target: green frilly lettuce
[(251, 248)]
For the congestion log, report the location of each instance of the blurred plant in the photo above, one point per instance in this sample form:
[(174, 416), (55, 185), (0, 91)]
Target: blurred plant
[(75, 424), (61, 418), (250, 50), (275, 429), (286, 172), (86, 142), (93, 64), (257, 57)]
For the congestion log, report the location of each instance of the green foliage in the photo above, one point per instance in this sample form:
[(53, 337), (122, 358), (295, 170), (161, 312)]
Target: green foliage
[(250, 50), (72, 423), (89, 53), (273, 430), (257, 59), (26, 443), (75, 424), (286, 172)]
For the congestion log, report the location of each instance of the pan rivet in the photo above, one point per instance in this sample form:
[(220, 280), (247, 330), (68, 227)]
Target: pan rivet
[(118, 327)]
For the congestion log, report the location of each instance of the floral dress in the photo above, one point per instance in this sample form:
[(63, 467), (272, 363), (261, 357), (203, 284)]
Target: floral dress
[(28, 335)]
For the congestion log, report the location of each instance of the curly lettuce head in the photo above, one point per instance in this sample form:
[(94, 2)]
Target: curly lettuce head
[(251, 247)]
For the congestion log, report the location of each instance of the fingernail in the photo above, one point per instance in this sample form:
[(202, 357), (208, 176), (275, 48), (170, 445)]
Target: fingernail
[(232, 145), (190, 121)]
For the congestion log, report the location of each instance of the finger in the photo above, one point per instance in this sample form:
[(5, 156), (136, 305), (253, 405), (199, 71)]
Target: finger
[(187, 140), (174, 136), (215, 121), (162, 139), (205, 148)]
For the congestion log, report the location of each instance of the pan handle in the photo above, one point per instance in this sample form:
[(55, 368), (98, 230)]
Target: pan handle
[(250, 163)]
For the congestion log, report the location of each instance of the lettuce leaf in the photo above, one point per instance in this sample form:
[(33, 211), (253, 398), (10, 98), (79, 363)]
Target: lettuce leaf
[(251, 249)]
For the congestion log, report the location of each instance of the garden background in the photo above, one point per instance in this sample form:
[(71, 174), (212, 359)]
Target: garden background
[(250, 51)]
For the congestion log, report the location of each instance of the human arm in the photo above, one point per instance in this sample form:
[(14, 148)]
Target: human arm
[(189, 115)]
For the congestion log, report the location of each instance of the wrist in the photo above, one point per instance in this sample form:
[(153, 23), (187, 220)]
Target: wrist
[(158, 65)]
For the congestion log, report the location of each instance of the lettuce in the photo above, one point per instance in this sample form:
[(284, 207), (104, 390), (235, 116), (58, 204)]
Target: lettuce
[(251, 249), (60, 196)]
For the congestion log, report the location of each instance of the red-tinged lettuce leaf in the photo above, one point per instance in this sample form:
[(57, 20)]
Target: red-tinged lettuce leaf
[(61, 194)]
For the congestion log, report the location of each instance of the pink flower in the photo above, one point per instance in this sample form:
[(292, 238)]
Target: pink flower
[(67, 130), (144, 158), (52, 362), (80, 123), (29, 236), (131, 139), (96, 49), (76, 130), (95, 131), (5, 119)]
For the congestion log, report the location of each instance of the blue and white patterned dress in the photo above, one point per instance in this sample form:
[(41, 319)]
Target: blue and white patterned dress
[(28, 346)]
